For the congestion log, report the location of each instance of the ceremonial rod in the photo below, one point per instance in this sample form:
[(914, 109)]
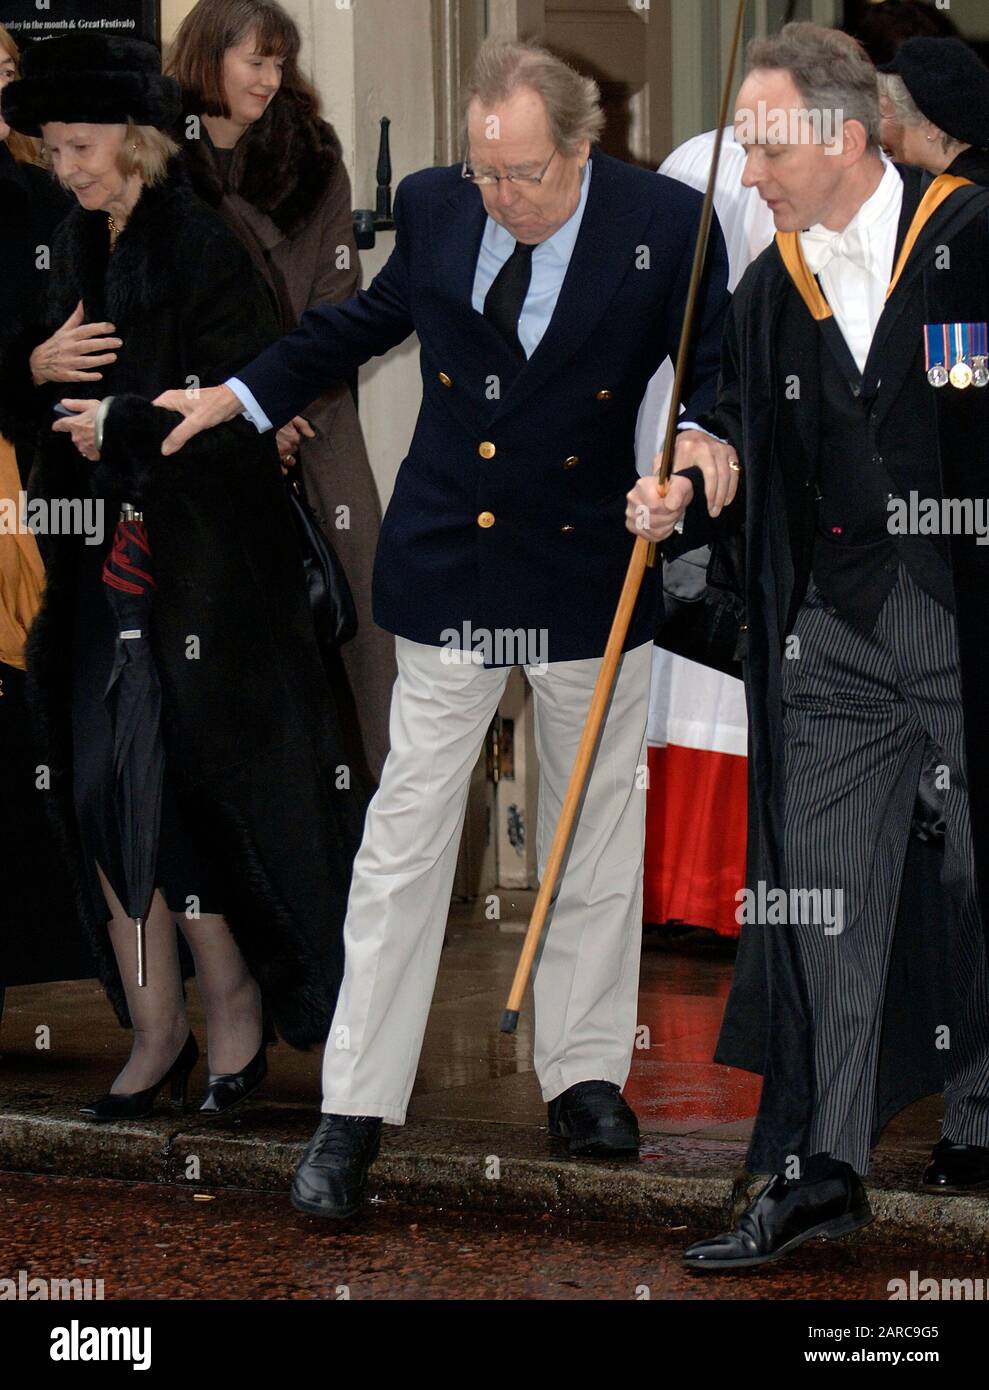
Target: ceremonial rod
[(642, 555)]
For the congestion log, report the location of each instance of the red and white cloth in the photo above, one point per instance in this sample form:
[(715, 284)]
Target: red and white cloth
[(696, 806)]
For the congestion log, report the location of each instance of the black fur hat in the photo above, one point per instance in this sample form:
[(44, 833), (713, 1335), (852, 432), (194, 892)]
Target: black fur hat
[(97, 79), (949, 84)]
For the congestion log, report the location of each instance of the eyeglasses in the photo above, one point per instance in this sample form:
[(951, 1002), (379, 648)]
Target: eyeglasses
[(486, 180)]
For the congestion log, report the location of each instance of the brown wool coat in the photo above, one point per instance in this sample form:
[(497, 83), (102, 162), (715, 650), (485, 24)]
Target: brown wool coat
[(287, 196)]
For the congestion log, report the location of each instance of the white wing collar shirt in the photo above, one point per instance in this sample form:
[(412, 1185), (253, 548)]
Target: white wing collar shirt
[(855, 266)]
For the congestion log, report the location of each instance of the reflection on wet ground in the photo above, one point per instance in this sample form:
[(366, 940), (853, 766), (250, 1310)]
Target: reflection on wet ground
[(148, 1241), (468, 1070)]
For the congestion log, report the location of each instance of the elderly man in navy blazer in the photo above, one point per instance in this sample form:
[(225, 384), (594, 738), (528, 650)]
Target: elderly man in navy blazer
[(546, 282)]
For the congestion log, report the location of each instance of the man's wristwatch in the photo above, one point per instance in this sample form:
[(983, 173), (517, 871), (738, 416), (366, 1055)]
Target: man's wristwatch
[(101, 415)]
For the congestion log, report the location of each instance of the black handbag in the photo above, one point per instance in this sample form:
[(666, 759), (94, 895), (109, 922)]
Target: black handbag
[(703, 615), (331, 602)]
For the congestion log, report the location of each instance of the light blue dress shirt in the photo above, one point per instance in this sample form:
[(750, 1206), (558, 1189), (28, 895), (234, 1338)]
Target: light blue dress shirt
[(550, 261)]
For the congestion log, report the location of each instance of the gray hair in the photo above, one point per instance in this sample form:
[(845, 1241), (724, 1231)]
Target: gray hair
[(905, 109), (572, 102), (830, 70)]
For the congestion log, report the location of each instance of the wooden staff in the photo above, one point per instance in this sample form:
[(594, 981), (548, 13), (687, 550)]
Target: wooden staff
[(643, 554)]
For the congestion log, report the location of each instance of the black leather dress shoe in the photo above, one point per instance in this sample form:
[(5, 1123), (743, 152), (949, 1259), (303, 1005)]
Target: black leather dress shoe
[(332, 1176), (783, 1216), (596, 1119), (957, 1167), (227, 1089)]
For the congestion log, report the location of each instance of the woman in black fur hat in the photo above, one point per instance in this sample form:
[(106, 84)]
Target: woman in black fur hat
[(259, 820), (258, 151), (934, 96)]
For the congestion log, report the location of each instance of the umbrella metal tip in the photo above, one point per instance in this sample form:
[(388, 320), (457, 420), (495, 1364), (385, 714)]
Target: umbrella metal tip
[(509, 1021)]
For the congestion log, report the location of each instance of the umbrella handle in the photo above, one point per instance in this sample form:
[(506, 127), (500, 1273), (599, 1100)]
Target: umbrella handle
[(142, 977)]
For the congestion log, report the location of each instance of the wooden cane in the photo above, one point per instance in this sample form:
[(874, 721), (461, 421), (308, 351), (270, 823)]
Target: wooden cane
[(643, 553)]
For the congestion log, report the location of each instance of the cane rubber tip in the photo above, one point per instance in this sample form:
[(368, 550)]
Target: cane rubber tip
[(509, 1020)]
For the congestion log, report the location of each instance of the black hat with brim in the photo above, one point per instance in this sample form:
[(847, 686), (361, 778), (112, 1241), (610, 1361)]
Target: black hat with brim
[(94, 79), (949, 84)]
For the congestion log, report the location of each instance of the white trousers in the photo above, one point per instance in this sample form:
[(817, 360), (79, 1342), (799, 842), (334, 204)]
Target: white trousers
[(587, 975)]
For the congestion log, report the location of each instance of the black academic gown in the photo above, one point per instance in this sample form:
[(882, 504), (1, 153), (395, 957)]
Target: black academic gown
[(971, 164), (769, 336)]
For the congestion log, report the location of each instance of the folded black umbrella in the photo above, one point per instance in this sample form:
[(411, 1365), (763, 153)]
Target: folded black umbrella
[(133, 696)]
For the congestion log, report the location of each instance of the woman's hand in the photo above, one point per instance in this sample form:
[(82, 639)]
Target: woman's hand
[(289, 438), (81, 426), (68, 354)]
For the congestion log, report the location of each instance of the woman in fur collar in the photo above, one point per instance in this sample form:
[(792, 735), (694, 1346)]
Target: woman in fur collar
[(259, 820), (258, 151)]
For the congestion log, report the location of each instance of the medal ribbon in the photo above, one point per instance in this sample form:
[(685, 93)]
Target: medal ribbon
[(935, 346)]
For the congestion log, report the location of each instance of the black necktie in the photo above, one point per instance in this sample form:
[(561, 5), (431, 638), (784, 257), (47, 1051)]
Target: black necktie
[(504, 300)]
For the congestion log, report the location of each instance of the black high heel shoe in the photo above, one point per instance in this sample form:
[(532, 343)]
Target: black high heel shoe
[(228, 1089), (138, 1105)]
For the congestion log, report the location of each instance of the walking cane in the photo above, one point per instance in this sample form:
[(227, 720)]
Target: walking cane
[(643, 554)]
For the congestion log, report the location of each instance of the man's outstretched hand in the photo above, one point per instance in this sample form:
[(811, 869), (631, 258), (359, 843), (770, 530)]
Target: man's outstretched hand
[(213, 406)]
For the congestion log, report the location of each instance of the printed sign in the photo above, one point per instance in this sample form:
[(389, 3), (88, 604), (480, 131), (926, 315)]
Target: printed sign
[(43, 19)]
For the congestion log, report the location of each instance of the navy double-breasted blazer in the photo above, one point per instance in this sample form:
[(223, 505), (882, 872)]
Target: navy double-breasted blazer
[(508, 511)]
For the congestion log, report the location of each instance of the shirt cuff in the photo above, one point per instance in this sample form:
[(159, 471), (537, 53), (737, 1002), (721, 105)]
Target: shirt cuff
[(252, 411), (691, 425)]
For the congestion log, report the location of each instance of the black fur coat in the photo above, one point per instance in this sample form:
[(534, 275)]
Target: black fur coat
[(250, 729)]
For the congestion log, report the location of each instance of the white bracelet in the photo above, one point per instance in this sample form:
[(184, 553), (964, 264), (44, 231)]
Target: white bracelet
[(101, 415)]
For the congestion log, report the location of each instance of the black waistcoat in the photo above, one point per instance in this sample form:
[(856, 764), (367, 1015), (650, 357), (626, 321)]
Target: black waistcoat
[(855, 558)]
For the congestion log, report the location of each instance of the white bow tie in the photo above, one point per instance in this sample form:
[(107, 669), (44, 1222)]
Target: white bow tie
[(820, 247)]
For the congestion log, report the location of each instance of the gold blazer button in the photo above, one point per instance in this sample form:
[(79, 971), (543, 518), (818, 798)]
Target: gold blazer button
[(603, 395), (487, 450), (486, 520), (571, 462), (567, 530), (445, 380)]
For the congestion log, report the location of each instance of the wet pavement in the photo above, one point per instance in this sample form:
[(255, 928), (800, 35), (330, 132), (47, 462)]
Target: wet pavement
[(476, 1139), (149, 1241)]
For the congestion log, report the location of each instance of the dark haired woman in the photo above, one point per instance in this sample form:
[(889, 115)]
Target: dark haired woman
[(258, 820), (261, 154)]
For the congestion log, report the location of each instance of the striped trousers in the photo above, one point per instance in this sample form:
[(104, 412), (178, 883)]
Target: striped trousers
[(858, 713)]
